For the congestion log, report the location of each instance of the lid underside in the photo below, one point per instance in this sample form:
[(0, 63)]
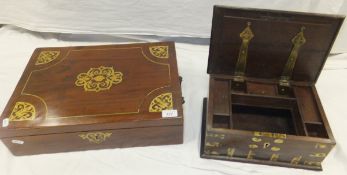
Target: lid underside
[(271, 42)]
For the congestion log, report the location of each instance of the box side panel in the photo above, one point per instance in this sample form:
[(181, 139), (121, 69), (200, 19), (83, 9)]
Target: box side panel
[(93, 140), (265, 148)]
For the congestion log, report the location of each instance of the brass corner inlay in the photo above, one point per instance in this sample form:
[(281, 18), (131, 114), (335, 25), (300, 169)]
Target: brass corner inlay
[(298, 41), (246, 35), (96, 137), (161, 102), (23, 111), (99, 79), (159, 51), (46, 57)]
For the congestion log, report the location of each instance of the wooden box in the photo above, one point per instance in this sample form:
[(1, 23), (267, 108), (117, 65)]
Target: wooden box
[(263, 106), (95, 97)]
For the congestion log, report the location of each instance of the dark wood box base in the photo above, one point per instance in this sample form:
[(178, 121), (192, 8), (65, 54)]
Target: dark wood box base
[(208, 155), (258, 125)]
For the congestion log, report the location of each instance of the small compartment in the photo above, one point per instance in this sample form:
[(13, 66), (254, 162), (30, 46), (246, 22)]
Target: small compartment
[(221, 121), (261, 88), (316, 130), (266, 114), (254, 118), (221, 98)]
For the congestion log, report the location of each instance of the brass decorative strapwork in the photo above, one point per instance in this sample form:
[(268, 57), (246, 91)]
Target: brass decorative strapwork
[(46, 57), (159, 51), (99, 79), (246, 35), (96, 137), (297, 41), (23, 111), (161, 102)]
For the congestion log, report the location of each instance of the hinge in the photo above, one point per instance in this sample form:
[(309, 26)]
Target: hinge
[(239, 76), (284, 82)]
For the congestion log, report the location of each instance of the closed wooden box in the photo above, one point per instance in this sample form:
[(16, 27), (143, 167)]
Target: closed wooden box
[(94, 97), (263, 106)]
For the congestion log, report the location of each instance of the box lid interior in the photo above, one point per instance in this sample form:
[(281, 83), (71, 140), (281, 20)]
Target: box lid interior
[(271, 44), (85, 88)]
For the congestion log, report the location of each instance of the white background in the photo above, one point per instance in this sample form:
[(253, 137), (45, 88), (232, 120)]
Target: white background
[(158, 17)]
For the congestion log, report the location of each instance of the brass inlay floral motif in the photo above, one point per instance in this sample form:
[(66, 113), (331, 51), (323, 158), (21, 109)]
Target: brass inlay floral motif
[(230, 152), (296, 160), (275, 148), (312, 163), (256, 139), (159, 51), (219, 136), (46, 57), (161, 102), (252, 146), (278, 141), (23, 111), (274, 157), (250, 154), (270, 134), (320, 146), (96, 137), (318, 155), (212, 144), (99, 79)]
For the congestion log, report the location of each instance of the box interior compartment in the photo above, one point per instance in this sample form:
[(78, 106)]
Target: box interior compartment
[(253, 118), (260, 108)]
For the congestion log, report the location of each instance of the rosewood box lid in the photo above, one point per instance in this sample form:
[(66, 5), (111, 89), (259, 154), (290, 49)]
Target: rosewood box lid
[(268, 38), (69, 89)]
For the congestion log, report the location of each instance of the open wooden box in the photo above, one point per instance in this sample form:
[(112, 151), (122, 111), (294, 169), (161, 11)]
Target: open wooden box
[(263, 106)]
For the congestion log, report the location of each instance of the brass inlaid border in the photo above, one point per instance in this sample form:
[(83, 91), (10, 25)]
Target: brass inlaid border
[(117, 113), (92, 115)]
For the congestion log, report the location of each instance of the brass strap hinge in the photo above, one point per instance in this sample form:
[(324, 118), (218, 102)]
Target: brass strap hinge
[(298, 41), (246, 35)]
